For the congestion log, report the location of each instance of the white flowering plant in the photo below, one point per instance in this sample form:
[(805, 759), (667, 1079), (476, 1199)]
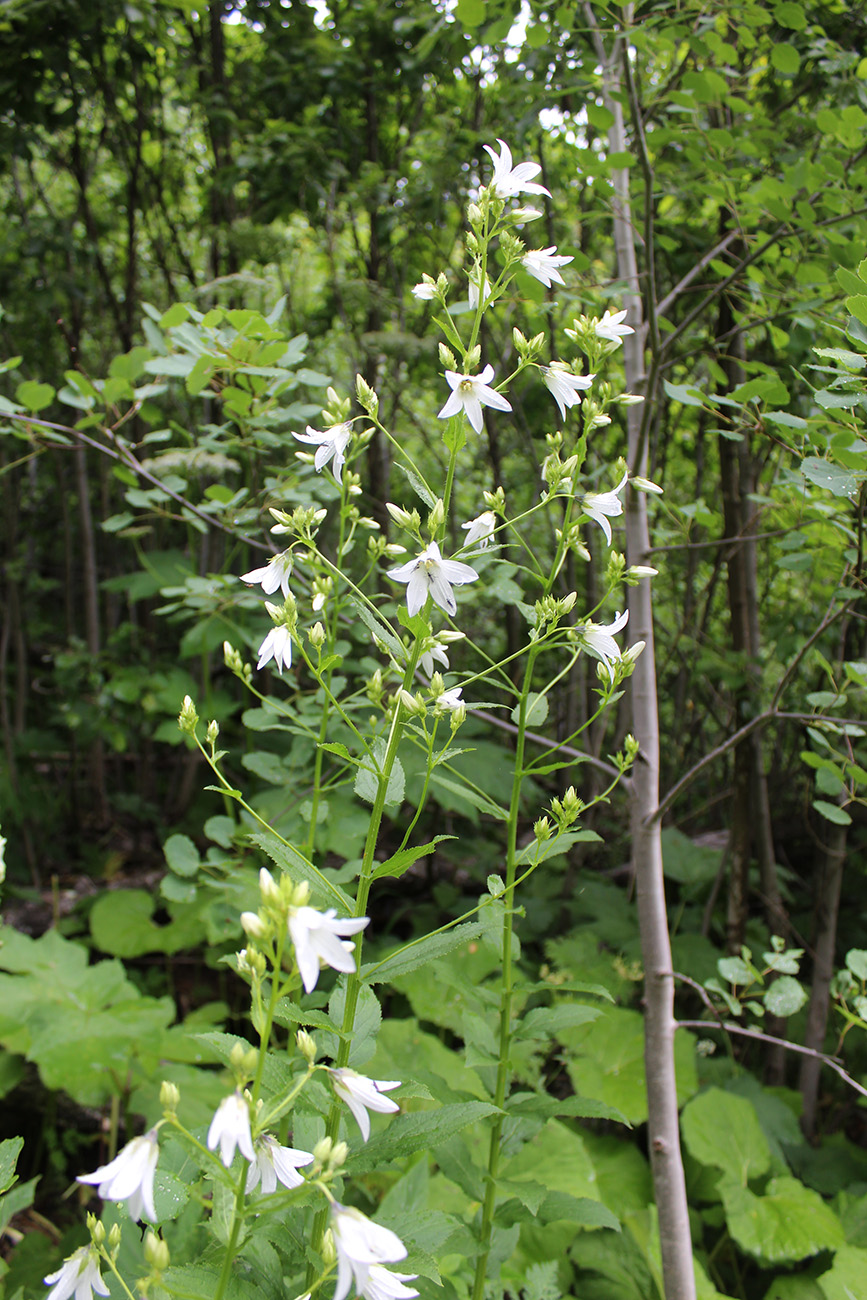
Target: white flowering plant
[(275, 1180)]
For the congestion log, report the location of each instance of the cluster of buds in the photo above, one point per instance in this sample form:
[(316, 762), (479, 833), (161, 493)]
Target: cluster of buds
[(557, 473), (367, 398), (567, 809), (277, 898), (321, 590), (188, 719), (528, 349), (303, 522), (329, 1157), (427, 290), (235, 664), (550, 609), (409, 520)]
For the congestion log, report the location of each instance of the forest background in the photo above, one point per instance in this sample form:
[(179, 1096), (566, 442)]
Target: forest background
[(290, 172)]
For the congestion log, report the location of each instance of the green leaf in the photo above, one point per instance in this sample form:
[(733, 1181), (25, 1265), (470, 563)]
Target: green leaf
[(10, 1150), (298, 868), (734, 970), (856, 962), (181, 855), (785, 58), (379, 630), (536, 711), (398, 863), (832, 812), (540, 850), (790, 15), (365, 1026), (418, 485), (857, 305), (534, 1103), (546, 1022), (421, 952), (723, 1130), (471, 13), (826, 475), (418, 1132), (34, 396), (472, 797), (369, 776), (683, 393), (789, 1222), (785, 419), (784, 997)]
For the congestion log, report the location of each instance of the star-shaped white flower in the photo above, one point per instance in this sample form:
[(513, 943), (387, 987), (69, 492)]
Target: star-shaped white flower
[(361, 1247), (272, 575), (449, 700), (277, 646), (470, 393), (320, 937), (230, 1128), (437, 652), (130, 1176), (362, 1094), (602, 506), (563, 386), (507, 179), (273, 1162), (610, 326), (599, 640), (330, 446), (382, 1284), (430, 575), (542, 263), (79, 1276)]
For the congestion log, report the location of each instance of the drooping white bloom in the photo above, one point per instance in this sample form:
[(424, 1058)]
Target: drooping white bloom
[(426, 289), (602, 506), (479, 288), (272, 575), (320, 937), (362, 1094), (330, 446), (599, 640), (130, 1176), (79, 1276), (230, 1128), (361, 1246), (273, 1162), (470, 393), (277, 646), (382, 1284), (563, 386), (430, 575), (508, 179), (543, 263), (480, 530), (437, 652), (610, 326)]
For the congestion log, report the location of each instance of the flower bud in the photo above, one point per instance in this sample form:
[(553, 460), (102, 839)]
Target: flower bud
[(458, 717), (436, 517), (630, 655), (97, 1229), (268, 886), (253, 925), (232, 658), (366, 396), (542, 829), (447, 357), (213, 732), (170, 1097), (156, 1252), (188, 718), (645, 485), (306, 1045), (316, 636), (114, 1237), (329, 1254)]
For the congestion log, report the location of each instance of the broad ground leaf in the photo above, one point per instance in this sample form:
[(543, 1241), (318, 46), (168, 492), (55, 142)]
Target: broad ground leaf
[(794, 1288), (723, 1130), (845, 1279), (789, 1222)]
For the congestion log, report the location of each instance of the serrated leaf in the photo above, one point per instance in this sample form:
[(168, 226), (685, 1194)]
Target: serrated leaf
[(546, 1022), (400, 862), (419, 1132), (540, 850), (378, 629), (418, 485), (298, 868), (369, 776), (10, 1150), (419, 953), (788, 1222)]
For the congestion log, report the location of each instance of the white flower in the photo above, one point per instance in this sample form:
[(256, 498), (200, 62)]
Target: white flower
[(611, 327), (542, 263), (599, 640), (600, 506), (272, 575), (273, 1162), (79, 1276), (430, 575), (508, 180), (277, 646), (470, 393), (330, 444), (437, 652), (362, 1094), (563, 386), (478, 288), (361, 1246), (130, 1176), (426, 289), (480, 530), (449, 700), (230, 1127), (382, 1284), (320, 937)]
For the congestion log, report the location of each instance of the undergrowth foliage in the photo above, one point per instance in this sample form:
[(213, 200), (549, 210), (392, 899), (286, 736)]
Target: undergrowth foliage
[(268, 1195)]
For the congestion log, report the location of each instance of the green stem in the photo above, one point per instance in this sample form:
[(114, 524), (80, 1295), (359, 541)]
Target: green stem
[(503, 1064), (234, 1234)]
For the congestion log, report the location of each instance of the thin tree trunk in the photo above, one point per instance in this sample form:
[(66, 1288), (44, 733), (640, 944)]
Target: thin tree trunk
[(828, 884), (663, 1123)]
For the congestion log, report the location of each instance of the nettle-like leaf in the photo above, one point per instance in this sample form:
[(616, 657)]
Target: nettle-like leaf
[(788, 1222), (723, 1130)]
